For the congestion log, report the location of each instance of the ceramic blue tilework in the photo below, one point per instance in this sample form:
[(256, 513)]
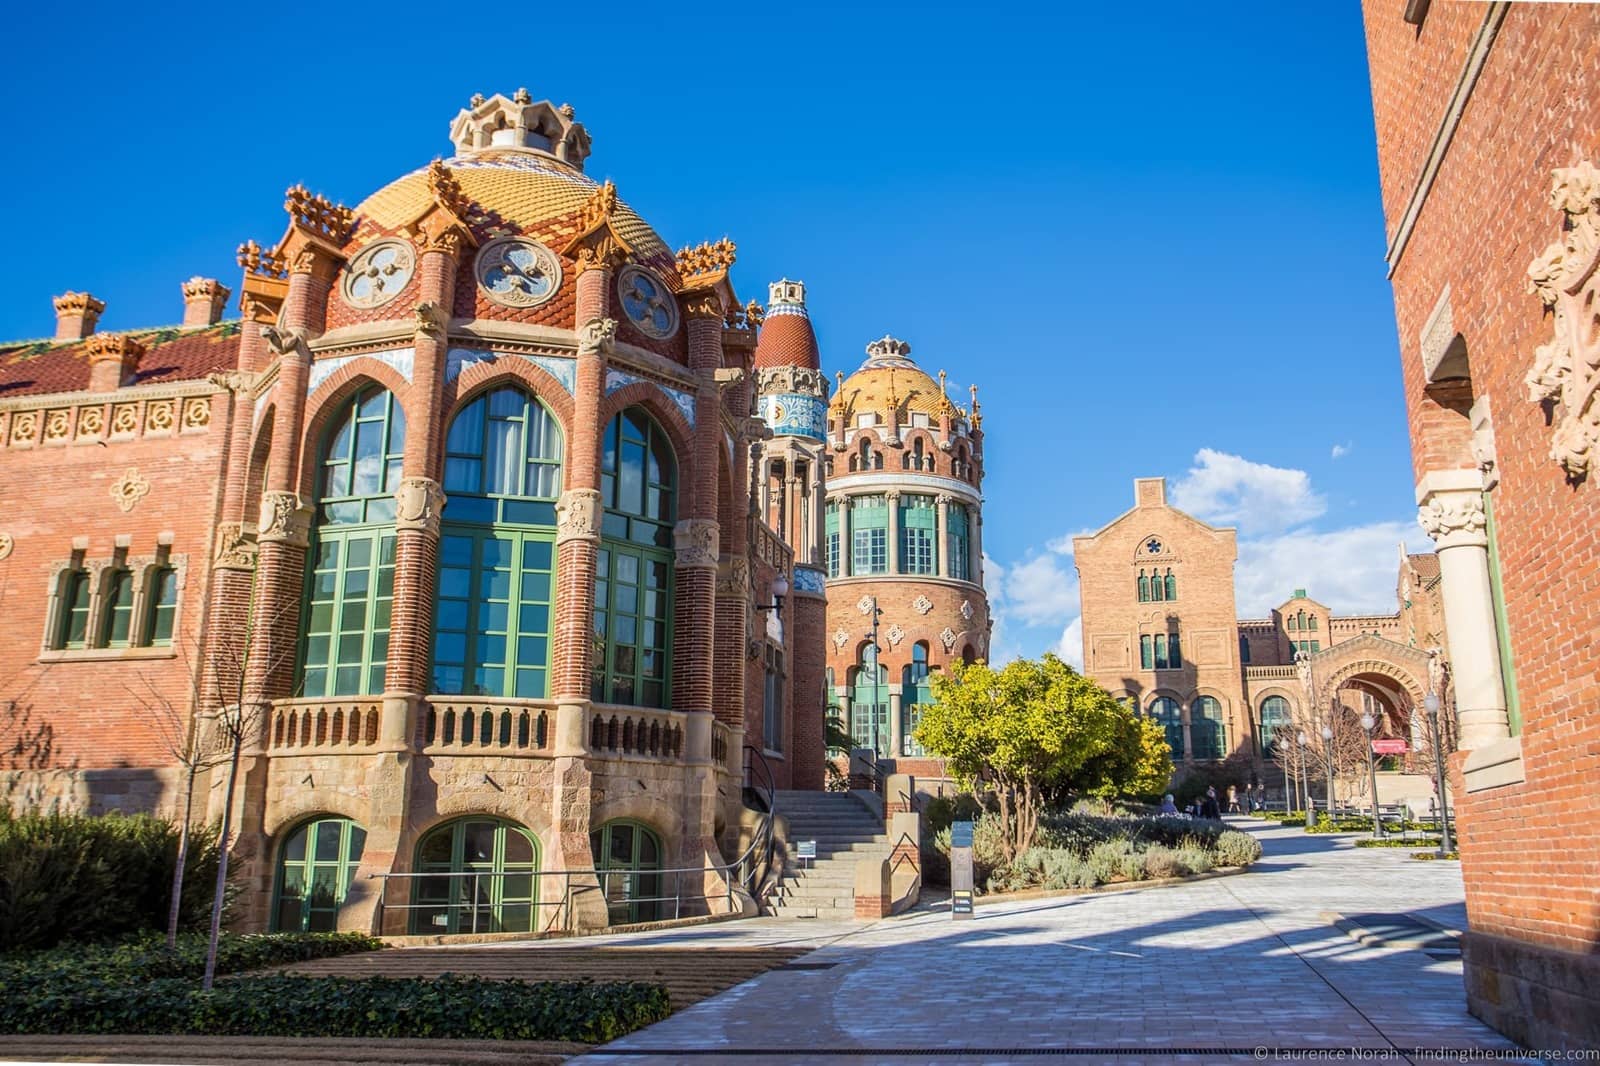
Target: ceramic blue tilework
[(808, 580), (564, 371), (399, 359), (684, 401), (787, 309)]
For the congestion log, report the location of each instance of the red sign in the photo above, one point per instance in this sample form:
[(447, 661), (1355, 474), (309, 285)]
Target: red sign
[(1388, 747)]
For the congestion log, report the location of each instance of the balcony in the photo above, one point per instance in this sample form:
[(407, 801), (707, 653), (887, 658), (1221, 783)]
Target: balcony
[(462, 725), (325, 726), (635, 732), (1271, 673)]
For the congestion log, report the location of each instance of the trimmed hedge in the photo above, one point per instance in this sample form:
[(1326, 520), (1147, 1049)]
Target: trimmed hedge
[(70, 877), (1397, 842), (147, 958)]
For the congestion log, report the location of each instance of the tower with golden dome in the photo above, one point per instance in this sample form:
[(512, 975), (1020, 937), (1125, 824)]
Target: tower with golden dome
[(901, 546)]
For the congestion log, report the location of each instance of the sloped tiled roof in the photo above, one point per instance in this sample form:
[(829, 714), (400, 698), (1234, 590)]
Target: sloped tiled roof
[(787, 339), (1426, 566), (33, 368)]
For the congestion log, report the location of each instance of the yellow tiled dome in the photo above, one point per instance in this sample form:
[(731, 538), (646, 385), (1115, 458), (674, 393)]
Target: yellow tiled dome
[(520, 191), (888, 372)]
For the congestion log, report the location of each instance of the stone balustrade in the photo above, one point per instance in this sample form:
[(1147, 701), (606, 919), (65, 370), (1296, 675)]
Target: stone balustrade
[(1271, 673), (325, 725), (722, 745), (636, 732), (463, 725)]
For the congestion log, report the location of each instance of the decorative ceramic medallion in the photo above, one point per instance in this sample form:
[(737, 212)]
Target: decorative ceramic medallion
[(922, 605), (896, 635), (129, 489), (966, 610), (518, 272), (647, 302), (378, 273), (864, 605), (948, 639), (7, 542), (840, 639)]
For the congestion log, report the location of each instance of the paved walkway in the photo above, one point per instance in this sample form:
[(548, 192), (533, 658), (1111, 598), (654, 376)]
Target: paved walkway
[(1202, 972)]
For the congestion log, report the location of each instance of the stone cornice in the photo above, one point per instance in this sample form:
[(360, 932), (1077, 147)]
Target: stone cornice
[(162, 391), (488, 332), (1477, 56), (890, 480)]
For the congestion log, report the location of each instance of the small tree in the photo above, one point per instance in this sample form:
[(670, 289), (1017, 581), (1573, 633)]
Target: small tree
[(1031, 726)]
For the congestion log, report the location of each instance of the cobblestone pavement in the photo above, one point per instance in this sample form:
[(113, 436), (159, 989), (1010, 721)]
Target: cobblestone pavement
[(1201, 972)]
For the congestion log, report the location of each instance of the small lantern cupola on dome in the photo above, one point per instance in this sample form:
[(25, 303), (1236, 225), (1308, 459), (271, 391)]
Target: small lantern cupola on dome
[(518, 123), (787, 338), (792, 394)]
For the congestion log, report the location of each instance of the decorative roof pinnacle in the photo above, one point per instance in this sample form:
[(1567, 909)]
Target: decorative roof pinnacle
[(977, 412), (78, 303), (321, 216), (706, 260), (598, 244), (946, 408), (258, 260), (888, 346)]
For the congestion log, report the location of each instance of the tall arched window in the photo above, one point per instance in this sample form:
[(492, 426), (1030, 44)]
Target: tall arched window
[(316, 865), (1205, 726), (958, 532), (161, 606), (1171, 584), (915, 694), (502, 474), (352, 556), (1157, 589), (1274, 719), (1165, 713), (1144, 587), (869, 702), (485, 878), (72, 631), (629, 857), (116, 622), (1291, 626), (634, 573)]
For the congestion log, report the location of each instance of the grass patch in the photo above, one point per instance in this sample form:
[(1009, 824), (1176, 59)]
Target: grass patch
[(1397, 842)]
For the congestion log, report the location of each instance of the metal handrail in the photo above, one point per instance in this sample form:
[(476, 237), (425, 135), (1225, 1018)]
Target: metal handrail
[(756, 862)]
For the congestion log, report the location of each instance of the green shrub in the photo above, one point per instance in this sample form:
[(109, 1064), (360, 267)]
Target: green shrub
[(1234, 848), (73, 877), (1160, 861), (147, 957), (1192, 859), (940, 811), (1396, 842)]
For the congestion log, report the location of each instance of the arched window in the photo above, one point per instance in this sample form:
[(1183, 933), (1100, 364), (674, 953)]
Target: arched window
[(1144, 587), (485, 878), (73, 629), (497, 548), (869, 703), (316, 865), (1157, 589), (161, 606), (1291, 626), (628, 856), (1165, 713), (1313, 622), (116, 620), (968, 656), (1244, 649), (351, 586), (958, 533), (1171, 585), (634, 572), (1274, 718), (1206, 727), (915, 694), (863, 458)]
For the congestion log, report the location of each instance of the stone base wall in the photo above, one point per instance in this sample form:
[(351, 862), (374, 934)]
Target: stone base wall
[(128, 790), (1541, 997)]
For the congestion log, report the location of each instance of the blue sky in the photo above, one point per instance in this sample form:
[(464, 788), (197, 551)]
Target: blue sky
[(1150, 232)]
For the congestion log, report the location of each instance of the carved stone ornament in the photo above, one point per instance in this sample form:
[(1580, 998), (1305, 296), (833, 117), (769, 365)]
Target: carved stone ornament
[(57, 425), (1454, 519), (1302, 667), (1566, 369), (1483, 449), (840, 639), (378, 273), (7, 544), (236, 549), (429, 320), (966, 610), (418, 503), (196, 413), (948, 639), (597, 336), (896, 635), (282, 341), (733, 577), (283, 519), (696, 542), (517, 272), (864, 605), (922, 605), (129, 489), (578, 515)]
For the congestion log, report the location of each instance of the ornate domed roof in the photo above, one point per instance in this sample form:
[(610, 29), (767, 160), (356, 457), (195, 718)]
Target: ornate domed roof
[(786, 336), (890, 375)]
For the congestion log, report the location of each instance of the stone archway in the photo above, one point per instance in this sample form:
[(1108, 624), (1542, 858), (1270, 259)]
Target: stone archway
[(1370, 674)]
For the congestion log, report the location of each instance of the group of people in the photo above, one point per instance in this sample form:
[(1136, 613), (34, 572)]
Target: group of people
[(1246, 799)]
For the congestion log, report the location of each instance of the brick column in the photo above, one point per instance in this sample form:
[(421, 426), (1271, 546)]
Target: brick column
[(808, 670), (732, 620), (697, 537)]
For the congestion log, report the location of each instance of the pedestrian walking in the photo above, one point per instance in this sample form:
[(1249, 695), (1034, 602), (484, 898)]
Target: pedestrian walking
[(1233, 800)]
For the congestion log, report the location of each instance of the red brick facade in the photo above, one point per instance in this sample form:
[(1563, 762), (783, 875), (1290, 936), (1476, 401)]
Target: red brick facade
[(1488, 125)]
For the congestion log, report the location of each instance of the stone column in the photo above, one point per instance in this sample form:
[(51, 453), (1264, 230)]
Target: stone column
[(942, 520), (1450, 508), (846, 538), (974, 544), (893, 498), (896, 727)]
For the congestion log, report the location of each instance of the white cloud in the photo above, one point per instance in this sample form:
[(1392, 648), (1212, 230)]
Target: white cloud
[(1230, 490), (1042, 589), (1352, 570), (1070, 646), (1342, 450)]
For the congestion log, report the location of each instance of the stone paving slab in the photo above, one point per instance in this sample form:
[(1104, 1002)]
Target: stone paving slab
[(1199, 972)]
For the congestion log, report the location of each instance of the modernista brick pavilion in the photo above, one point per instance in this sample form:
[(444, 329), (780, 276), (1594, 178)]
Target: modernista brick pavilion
[(471, 521)]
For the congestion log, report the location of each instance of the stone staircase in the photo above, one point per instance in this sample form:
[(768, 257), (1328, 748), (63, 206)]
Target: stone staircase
[(845, 832)]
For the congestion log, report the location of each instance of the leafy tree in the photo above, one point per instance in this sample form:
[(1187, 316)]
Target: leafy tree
[(1033, 726)]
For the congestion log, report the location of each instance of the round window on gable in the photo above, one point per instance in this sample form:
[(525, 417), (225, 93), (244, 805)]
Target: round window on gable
[(517, 272), (378, 273), (647, 302)]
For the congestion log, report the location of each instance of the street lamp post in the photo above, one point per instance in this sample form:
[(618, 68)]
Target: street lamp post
[(1304, 781), (1284, 763), (1367, 722), (877, 684), (1327, 750), (1430, 703)]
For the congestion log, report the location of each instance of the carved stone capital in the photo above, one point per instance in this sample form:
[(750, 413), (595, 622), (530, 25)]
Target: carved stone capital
[(430, 321), (418, 504), (578, 516), (733, 577), (696, 541), (284, 519), (598, 336), (1454, 518), (235, 548), (286, 341)]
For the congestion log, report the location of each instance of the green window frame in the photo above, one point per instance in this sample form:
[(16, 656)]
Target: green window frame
[(831, 532), (635, 571), (1164, 711), (1312, 623), (361, 460), (772, 700), (1207, 728), (1147, 658), (503, 460), (348, 613), (116, 621), (1273, 718), (1174, 651), (1161, 651), (1171, 585), (1502, 624), (919, 534), (73, 629), (486, 878), (1144, 587), (958, 532), (628, 856), (494, 612), (916, 692), (161, 606), (869, 702), (317, 863), (869, 534)]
